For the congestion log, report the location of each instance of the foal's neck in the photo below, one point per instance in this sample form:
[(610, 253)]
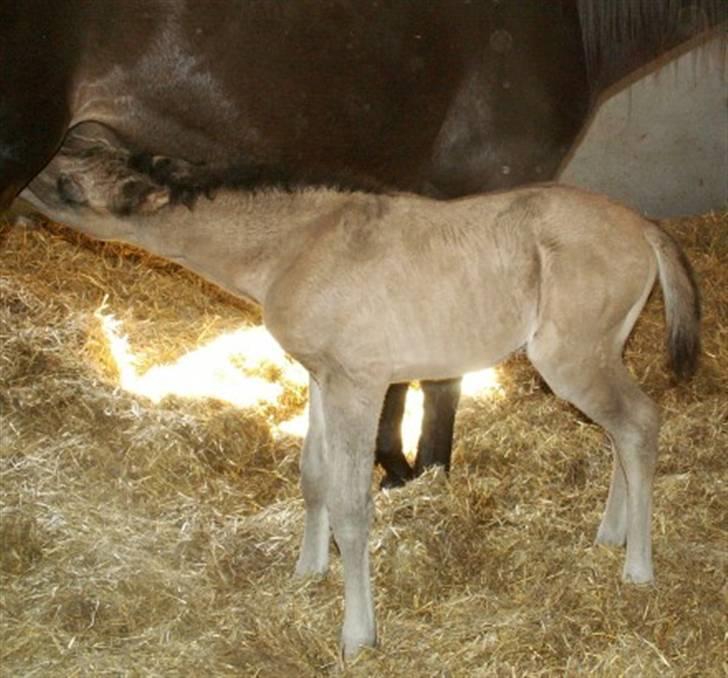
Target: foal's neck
[(241, 241)]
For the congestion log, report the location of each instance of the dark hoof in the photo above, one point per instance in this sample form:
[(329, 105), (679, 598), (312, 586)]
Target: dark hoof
[(391, 481)]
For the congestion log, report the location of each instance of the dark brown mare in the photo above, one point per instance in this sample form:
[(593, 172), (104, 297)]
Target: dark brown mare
[(438, 97)]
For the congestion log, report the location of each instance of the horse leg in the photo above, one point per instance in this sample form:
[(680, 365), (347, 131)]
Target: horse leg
[(613, 528), (605, 392), (441, 403), (389, 453), (350, 429), (314, 556), (37, 57), (25, 148), (635, 441)]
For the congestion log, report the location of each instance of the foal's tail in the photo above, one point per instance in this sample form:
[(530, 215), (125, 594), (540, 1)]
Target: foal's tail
[(682, 301)]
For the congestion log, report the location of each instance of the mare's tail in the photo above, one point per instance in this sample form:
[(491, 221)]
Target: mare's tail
[(682, 302)]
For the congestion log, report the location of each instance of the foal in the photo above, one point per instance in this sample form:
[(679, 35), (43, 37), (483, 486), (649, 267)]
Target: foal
[(366, 290)]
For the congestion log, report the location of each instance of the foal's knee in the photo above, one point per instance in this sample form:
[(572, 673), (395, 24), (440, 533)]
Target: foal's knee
[(350, 517)]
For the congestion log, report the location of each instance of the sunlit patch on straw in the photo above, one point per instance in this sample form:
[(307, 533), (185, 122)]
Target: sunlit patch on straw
[(220, 369), (297, 426), (482, 382)]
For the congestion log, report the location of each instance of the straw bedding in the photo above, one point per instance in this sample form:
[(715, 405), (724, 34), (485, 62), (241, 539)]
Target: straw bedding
[(143, 539)]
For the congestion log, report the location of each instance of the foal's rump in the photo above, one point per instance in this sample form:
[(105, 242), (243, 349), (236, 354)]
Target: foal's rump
[(597, 268), (599, 262)]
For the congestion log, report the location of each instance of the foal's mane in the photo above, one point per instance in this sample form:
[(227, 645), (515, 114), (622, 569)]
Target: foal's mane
[(187, 182), (622, 35)]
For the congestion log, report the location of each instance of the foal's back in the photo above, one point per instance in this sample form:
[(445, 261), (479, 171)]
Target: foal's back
[(437, 288)]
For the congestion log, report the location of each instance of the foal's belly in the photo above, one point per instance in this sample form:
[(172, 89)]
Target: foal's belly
[(437, 349)]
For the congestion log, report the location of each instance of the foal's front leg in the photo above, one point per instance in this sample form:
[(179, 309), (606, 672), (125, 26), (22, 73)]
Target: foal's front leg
[(351, 413), (314, 556)]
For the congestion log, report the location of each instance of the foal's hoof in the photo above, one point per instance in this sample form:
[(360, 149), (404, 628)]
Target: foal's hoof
[(306, 572), (311, 568), (607, 536), (351, 647), (639, 576)]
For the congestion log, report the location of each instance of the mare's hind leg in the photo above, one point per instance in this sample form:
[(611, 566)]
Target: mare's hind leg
[(389, 454), (441, 404), (603, 389), (435, 444)]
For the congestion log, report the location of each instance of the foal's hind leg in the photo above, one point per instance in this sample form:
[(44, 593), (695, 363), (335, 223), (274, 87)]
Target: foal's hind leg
[(613, 528), (604, 391)]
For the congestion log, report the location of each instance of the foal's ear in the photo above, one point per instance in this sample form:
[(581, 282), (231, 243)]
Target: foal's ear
[(139, 196)]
